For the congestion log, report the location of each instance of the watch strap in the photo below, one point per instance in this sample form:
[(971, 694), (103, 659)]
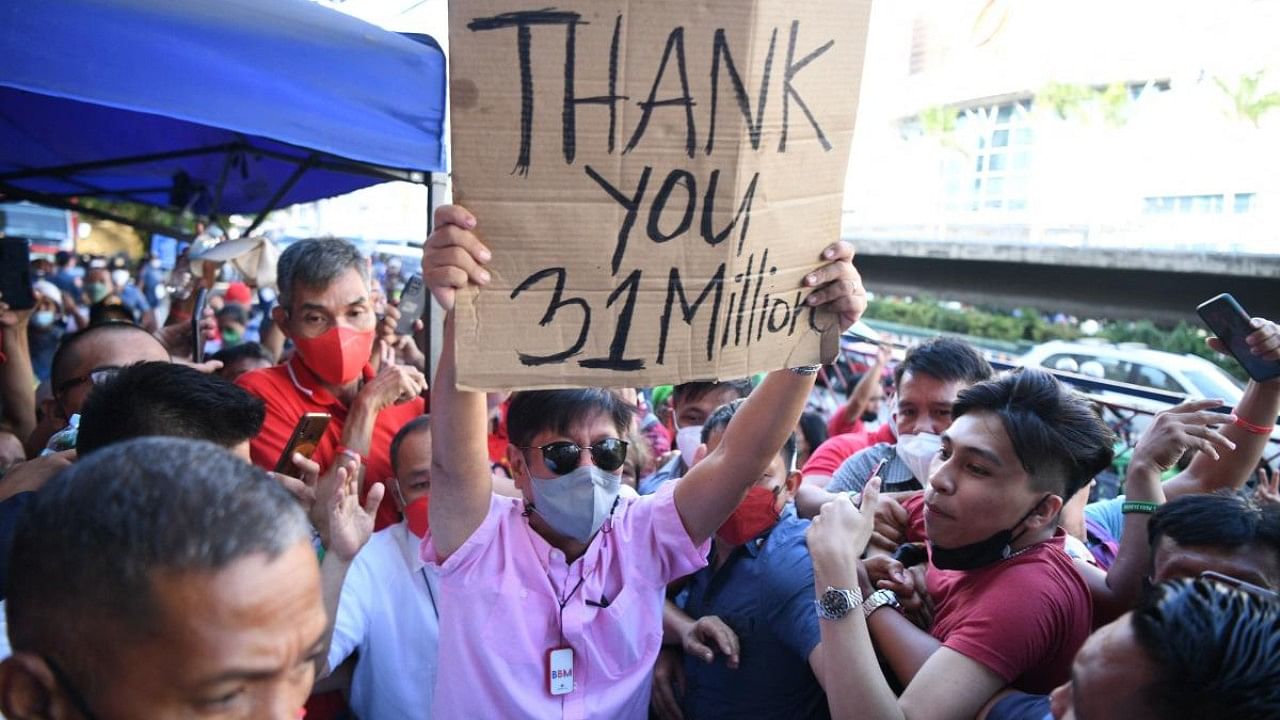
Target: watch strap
[(879, 599)]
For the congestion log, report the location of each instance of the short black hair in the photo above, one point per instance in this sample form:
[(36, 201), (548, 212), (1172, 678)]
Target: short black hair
[(91, 539), (533, 411), (1216, 650), (160, 398), (719, 419), (814, 429), (1223, 520), (233, 312), (1050, 427), (67, 356), (422, 423), (243, 351), (946, 359), (691, 391)]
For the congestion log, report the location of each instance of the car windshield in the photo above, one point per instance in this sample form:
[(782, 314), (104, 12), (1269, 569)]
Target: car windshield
[(1215, 385)]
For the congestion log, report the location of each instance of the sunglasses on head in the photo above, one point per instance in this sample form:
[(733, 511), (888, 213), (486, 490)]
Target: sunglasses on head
[(562, 457)]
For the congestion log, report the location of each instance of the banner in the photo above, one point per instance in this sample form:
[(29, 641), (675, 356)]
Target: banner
[(655, 180)]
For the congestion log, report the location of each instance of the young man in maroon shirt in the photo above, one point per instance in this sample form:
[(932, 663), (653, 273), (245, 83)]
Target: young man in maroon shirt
[(1010, 608)]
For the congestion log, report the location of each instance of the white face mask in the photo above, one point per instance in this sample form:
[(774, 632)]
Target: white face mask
[(687, 441), (918, 451), (577, 504)]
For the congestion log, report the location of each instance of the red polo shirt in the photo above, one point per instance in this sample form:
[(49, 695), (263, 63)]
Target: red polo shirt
[(290, 390)]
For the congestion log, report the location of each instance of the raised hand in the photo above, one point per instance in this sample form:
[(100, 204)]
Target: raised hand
[(1264, 341), (838, 286), (349, 524), (453, 256), (1174, 431), (840, 533)]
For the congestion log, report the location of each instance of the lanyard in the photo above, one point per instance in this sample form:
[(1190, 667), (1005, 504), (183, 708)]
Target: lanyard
[(431, 594)]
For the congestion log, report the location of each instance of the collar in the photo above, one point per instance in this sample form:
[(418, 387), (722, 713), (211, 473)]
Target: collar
[(311, 386), (408, 544), (756, 545)]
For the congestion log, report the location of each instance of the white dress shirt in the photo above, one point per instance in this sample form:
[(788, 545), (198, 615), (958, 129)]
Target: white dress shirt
[(388, 615)]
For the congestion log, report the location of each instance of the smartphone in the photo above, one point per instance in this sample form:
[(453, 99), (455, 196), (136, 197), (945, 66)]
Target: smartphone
[(305, 440), (412, 299), (197, 337), (1230, 323), (876, 471), (15, 273)]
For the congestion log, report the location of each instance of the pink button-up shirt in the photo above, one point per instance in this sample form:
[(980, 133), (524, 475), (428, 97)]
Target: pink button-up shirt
[(507, 598)]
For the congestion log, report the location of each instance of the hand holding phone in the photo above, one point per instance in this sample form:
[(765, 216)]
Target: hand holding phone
[(15, 274), (304, 441), (197, 337), (412, 300), (1229, 321)]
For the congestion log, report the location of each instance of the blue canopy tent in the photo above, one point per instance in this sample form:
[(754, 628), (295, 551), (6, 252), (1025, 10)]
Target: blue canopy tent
[(211, 106)]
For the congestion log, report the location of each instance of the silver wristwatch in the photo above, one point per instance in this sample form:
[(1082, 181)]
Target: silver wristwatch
[(879, 599), (837, 603)]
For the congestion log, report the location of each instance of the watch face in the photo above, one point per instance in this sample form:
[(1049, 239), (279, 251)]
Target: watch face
[(835, 602)]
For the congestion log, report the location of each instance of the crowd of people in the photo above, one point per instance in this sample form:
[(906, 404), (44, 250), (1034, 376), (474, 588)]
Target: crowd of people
[(171, 547)]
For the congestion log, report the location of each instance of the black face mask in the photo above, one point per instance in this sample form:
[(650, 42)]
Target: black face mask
[(982, 553), (870, 416)]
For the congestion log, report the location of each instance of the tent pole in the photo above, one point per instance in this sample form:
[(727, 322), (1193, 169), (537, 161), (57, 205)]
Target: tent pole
[(280, 193)]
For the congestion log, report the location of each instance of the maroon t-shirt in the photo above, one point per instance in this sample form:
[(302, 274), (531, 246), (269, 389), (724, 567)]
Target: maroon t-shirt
[(1023, 618)]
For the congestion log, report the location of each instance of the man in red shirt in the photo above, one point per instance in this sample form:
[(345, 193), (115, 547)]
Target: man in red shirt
[(1010, 608), (326, 309)]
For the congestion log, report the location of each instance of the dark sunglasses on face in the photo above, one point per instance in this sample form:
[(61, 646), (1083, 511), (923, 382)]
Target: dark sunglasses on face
[(562, 457)]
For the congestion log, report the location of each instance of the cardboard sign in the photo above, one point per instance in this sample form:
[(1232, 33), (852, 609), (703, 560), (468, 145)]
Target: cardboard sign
[(655, 180)]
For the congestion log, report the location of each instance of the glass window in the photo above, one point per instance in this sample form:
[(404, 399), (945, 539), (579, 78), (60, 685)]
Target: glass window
[(1242, 203), (1155, 378), (1215, 384), (1000, 138)]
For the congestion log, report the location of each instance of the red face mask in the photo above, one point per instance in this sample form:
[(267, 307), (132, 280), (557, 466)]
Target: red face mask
[(415, 515), (338, 355), (756, 513)]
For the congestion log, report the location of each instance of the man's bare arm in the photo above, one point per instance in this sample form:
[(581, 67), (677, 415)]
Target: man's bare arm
[(461, 483)]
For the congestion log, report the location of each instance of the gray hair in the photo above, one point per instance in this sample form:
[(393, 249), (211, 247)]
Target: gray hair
[(92, 538), (315, 263)]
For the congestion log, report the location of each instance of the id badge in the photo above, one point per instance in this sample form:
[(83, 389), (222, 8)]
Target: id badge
[(560, 670)]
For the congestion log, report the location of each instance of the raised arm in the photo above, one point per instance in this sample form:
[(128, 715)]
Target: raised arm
[(714, 487), (1188, 425), (865, 389), (461, 484), (1258, 408), (17, 379)]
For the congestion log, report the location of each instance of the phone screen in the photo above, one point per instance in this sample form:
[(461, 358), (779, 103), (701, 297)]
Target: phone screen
[(15, 274), (411, 302)]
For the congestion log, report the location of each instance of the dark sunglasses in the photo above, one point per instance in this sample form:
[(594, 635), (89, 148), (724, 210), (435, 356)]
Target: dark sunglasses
[(562, 457)]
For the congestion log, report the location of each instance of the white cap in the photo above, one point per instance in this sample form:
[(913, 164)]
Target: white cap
[(49, 290)]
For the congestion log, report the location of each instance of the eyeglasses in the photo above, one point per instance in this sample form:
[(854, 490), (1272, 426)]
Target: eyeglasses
[(562, 457), (96, 376)]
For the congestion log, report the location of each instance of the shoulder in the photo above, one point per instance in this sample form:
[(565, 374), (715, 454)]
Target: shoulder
[(265, 380)]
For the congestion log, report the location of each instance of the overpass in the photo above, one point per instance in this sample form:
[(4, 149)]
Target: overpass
[(1008, 266)]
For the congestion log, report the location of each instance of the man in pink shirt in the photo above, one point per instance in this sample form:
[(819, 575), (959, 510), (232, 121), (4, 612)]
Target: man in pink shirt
[(551, 604)]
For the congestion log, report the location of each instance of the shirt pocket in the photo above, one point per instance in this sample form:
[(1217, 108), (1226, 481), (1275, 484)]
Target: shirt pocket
[(520, 627), (624, 637)]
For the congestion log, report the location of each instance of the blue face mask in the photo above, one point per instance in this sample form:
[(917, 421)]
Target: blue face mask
[(43, 318)]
